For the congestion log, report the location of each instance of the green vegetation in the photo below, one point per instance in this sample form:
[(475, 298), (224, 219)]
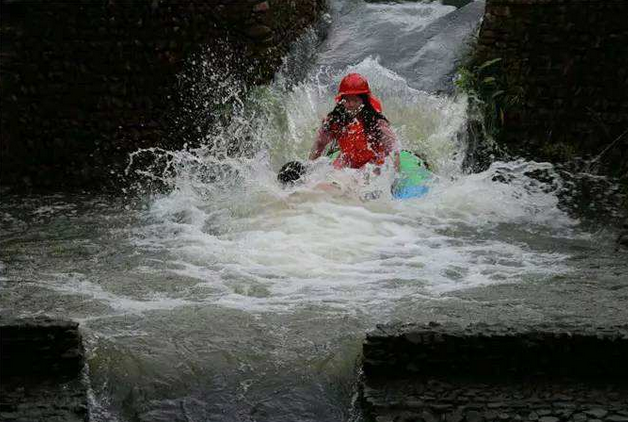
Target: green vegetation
[(491, 91), (558, 151)]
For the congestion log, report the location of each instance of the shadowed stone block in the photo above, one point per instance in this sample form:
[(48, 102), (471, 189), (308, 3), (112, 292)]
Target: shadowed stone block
[(566, 60), (41, 364), (491, 372), (40, 347), (82, 92)]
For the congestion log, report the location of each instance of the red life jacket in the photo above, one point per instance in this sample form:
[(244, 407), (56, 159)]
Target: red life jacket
[(357, 148)]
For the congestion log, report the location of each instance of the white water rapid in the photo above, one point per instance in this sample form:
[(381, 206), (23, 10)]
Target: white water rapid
[(228, 297)]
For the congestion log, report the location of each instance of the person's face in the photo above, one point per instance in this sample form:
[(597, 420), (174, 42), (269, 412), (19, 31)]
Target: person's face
[(352, 103)]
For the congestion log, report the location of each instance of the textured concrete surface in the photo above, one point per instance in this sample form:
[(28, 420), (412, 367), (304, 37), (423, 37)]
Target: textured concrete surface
[(41, 364), (492, 372)]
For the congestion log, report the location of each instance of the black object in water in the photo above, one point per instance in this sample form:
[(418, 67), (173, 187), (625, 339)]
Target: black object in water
[(291, 172)]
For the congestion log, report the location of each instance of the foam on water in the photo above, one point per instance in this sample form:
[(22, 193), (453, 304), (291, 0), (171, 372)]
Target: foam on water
[(231, 298), (2, 270), (227, 233), (256, 245), (235, 237), (79, 284)]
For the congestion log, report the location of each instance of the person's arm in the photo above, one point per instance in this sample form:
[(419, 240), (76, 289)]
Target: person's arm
[(389, 141), (323, 138)]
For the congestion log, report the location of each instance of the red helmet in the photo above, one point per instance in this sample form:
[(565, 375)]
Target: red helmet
[(356, 84), (353, 84)]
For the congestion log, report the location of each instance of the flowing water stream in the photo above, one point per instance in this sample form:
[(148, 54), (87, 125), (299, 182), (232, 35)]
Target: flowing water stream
[(230, 298)]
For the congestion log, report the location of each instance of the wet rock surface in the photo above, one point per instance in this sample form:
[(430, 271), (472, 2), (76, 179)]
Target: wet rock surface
[(40, 347), (432, 399), (41, 364), (61, 400), (495, 373), (85, 83), (562, 83), (566, 62), (622, 239)]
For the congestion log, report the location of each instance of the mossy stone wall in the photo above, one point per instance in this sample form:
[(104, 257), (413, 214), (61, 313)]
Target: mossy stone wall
[(84, 83), (569, 59)]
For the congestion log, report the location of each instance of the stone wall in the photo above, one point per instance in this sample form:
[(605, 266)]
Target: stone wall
[(41, 364), (482, 372), (84, 83), (568, 62), (40, 346)]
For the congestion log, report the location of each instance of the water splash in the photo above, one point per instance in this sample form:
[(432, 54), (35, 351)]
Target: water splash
[(227, 223)]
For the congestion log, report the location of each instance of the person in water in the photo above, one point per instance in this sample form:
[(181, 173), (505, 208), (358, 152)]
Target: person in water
[(357, 127)]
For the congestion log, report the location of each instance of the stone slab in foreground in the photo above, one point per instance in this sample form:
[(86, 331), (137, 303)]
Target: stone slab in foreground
[(41, 364), (484, 372)]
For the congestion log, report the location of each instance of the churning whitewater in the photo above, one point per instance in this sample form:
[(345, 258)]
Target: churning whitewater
[(256, 245), (229, 297)]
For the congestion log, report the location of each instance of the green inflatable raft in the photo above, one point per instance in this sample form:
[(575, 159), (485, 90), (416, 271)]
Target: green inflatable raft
[(413, 178)]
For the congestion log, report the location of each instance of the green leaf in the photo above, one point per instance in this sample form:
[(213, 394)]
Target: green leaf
[(489, 80), (489, 63), (497, 93)]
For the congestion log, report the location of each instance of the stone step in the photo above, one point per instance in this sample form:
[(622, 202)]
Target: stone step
[(432, 372), (41, 370)]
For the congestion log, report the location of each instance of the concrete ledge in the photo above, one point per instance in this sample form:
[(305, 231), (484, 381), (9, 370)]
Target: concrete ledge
[(40, 347), (498, 351), (41, 365), (484, 372)]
